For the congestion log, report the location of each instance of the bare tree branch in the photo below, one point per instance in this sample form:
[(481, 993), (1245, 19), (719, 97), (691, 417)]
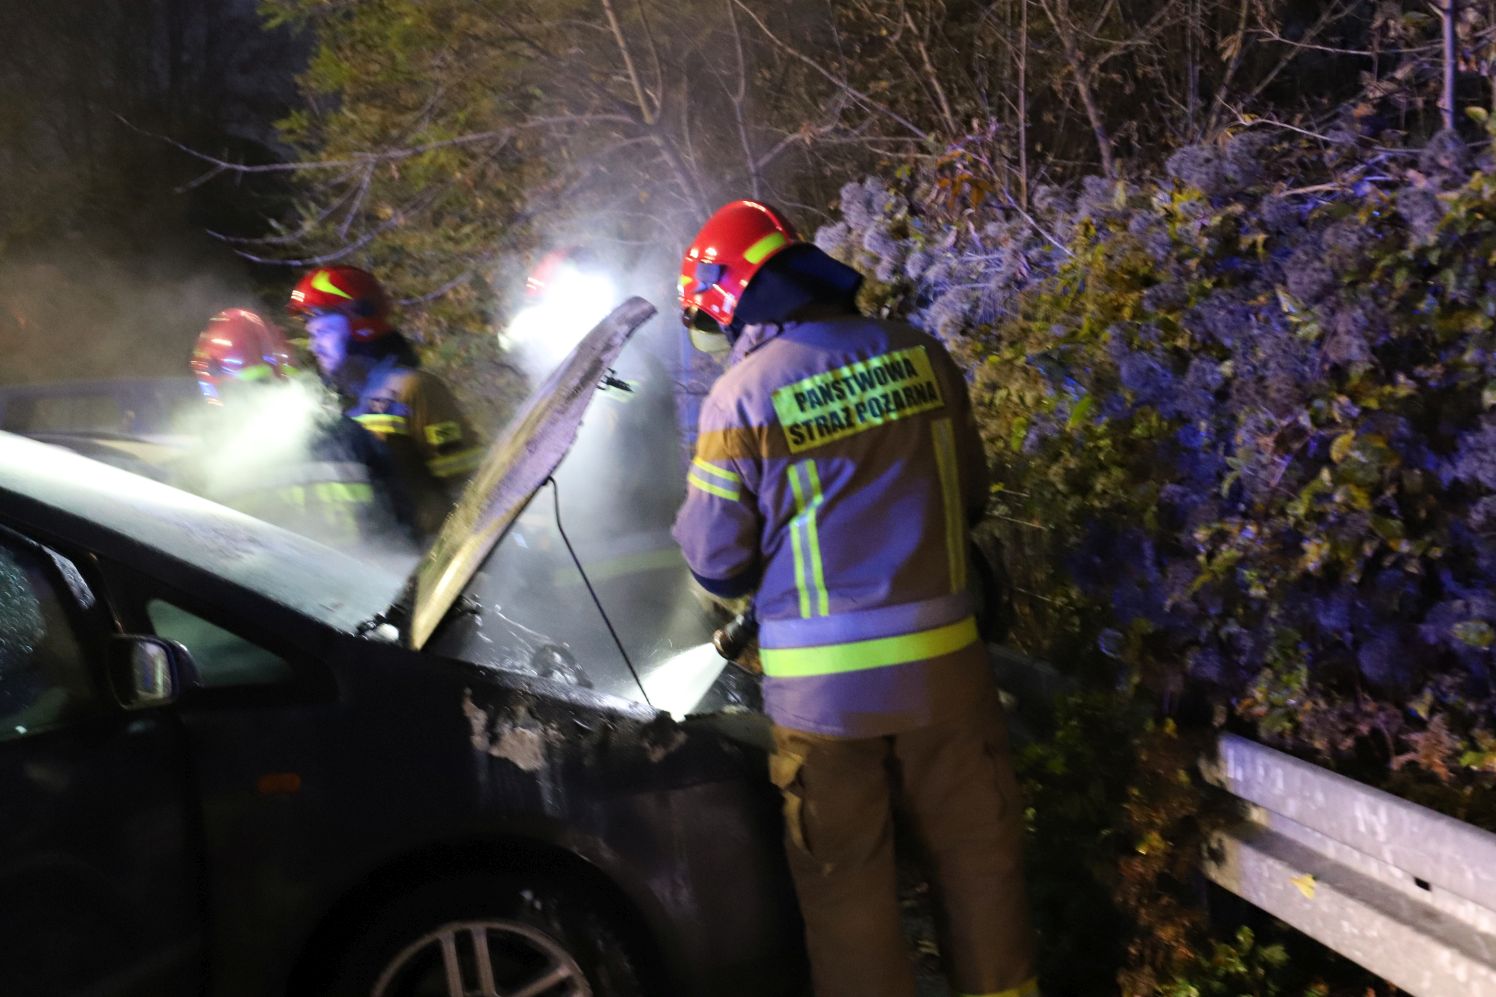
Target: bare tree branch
[(952, 129), (649, 113), (1081, 76), (829, 76)]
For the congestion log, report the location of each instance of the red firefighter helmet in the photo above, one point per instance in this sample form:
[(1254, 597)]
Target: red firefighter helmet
[(731, 247), (239, 345), (549, 270), (353, 292)]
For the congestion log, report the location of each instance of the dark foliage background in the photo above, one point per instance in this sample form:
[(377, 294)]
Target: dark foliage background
[(1221, 272), (107, 264), (1241, 428)]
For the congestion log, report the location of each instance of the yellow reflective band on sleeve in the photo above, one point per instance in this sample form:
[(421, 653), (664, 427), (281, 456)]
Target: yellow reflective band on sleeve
[(293, 495), (383, 425), (804, 525), (461, 462), (715, 471), (861, 655), (950, 489), (338, 491), (440, 433), (760, 250), (731, 494), (1028, 988), (258, 372)]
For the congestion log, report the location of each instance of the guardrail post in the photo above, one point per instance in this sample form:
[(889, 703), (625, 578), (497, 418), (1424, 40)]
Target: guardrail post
[(1408, 893)]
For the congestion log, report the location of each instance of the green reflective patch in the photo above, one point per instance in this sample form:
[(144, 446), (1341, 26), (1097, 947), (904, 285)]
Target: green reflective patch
[(439, 433), (338, 491), (760, 250), (846, 401), (1028, 988), (382, 425), (322, 281), (461, 462)]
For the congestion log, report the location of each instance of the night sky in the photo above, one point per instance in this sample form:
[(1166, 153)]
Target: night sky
[(107, 267)]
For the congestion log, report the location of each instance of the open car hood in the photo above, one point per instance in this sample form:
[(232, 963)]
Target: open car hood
[(520, 460)]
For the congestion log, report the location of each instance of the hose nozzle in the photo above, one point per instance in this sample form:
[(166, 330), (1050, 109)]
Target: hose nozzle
[(737, 635)]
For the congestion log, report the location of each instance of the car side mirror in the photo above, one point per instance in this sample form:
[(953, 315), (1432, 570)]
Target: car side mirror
[(147, 671)]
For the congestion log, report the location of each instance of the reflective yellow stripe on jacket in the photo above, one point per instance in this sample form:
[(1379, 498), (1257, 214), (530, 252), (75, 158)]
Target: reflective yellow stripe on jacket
[(860, 655), (452, 465), (384, 425), (950, 489), (806, 542), (1028, 988), (714, 480)]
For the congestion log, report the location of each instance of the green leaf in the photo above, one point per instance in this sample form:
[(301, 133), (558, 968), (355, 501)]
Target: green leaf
[(1476, 633), (1019, 431), (1080, 411), (1388, 529), (1484, 761), (1341, 448), (1354, 496)]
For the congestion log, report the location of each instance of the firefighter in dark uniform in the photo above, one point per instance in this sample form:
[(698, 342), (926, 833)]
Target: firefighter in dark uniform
[(360, 353), (273, 444)]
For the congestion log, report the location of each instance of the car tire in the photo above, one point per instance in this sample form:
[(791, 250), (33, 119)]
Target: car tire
[(531, 933)]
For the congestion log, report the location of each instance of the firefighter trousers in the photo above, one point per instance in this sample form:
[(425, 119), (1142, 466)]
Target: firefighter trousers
[(954, 783)]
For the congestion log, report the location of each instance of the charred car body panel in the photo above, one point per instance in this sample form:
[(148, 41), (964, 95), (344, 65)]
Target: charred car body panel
[(311, 767)]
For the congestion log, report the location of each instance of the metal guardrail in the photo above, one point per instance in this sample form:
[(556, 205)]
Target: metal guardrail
[(1407, 893)]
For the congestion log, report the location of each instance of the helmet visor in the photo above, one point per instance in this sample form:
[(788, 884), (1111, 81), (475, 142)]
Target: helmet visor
[(698, 319)]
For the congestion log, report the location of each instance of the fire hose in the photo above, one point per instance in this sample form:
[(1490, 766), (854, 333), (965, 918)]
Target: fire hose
[(735, 638)]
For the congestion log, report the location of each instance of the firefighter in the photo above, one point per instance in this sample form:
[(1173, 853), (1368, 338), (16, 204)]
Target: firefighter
[(836, 475), (273, 447), (361, 354)]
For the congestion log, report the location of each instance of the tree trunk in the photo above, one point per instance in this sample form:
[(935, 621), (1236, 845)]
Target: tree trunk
[(1449, 13), (1023, 52), (1075, 62), (1192, 68)]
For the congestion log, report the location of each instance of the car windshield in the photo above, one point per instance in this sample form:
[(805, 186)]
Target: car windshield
[(285, 568)]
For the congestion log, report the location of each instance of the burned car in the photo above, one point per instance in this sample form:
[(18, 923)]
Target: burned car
[(135, 423), (235, 762)]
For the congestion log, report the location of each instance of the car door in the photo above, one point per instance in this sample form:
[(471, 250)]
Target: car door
[(99, 858)]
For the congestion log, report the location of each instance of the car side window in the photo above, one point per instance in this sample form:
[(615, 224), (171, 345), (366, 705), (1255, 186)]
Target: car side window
[(222, 658), (44, 668)]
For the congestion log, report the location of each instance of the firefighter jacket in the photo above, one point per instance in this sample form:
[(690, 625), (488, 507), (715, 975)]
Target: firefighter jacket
[(323, 484), (431, 445), (836, 471)]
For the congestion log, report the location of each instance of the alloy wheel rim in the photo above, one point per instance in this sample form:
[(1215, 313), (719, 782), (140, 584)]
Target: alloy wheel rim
[(483, 958)]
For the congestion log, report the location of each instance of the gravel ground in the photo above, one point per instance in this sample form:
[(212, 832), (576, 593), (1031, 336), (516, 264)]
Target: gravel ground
[(919, 928)]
